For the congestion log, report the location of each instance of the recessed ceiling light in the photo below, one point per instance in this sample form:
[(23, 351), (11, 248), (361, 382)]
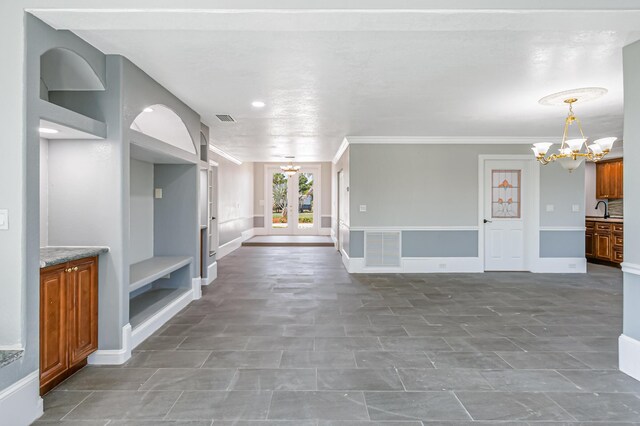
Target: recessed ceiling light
[(257, 104), (47, 130), (147, 109)]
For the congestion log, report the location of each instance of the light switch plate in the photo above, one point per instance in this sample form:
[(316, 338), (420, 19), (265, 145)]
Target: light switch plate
[(363, 207), (4, 219), (550, 207), (575, 208), (158, 193)]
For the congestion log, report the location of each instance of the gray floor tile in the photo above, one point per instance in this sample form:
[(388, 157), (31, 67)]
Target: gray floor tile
[(58, 403), (124, 405), (159, 423), (423, 330), (542, 360), (314, 331), (384, 359), (359, 379), (603, 407), (414, 344), (158, 343), (274, 379), (443, 380), (598, 360), (528, 381), (481, 344), (366, 423), (280, 343), (414, 406), (475, 360), (317, 359), (338, 344), (253, 330), (499, 406), (189, 379), (97, 378), (168, 359), (214, 343), (318, 405), (234, 405), (243, 359), (602, 381)]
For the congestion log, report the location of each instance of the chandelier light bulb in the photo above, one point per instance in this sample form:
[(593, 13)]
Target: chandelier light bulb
[(541, 148), (575, 144), (595, 148), (606, 143)]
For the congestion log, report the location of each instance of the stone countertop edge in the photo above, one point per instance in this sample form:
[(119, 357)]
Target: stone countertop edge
[(8, 356), (602, 219), (50, 256)]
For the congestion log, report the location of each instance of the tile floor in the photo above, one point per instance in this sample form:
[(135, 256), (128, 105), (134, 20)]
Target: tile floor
[(286, 337)]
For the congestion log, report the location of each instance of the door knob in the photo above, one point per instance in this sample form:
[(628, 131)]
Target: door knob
[(487, 221)]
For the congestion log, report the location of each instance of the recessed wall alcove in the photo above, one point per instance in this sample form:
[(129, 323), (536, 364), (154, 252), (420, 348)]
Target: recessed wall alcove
[(162, 123)]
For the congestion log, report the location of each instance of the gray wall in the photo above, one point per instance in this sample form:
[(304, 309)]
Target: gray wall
[(141, 211), (631, 322), (438, 186), (235, 198), (44, 192)]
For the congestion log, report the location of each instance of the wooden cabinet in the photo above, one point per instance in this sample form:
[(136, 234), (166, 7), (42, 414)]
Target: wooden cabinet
[(68, 319), (609, 179), (604, 241)]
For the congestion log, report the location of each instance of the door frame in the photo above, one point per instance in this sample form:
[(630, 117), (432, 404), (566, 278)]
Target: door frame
[(317, 170), (531, 208)]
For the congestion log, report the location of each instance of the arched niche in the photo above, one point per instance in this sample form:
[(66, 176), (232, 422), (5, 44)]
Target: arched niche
[(160, 122), (64, 70)]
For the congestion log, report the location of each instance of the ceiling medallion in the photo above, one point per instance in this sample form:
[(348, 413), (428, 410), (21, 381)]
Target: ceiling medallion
[(290, 169), (573, 152)]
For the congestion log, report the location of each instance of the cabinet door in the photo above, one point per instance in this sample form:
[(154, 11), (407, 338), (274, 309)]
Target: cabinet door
[(603, 246), (602, 180), (53, 323), (83, 313), (589, 244), (616, 179)]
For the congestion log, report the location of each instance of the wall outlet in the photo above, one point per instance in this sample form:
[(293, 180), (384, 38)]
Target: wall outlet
[(4, 219), (363, 207), (550, 207), (157, 193), (575, 208)]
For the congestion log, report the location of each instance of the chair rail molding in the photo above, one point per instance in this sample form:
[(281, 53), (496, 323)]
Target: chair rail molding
[(631, 268)]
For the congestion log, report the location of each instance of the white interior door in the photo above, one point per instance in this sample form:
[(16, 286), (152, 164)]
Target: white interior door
[(293, 207), (504, 215)]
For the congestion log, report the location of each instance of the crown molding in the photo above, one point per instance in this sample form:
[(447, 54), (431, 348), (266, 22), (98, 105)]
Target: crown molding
[(223, 154), (341, 149), (444, 140)]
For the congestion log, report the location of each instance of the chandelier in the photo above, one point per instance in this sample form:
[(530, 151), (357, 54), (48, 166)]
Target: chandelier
[(573, 152), (290, 169)]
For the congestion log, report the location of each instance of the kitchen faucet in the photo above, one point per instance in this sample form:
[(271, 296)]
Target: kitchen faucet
[(606, 208)]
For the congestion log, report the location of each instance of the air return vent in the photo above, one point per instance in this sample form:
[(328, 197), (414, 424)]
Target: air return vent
[(226, 118), (382, 249)]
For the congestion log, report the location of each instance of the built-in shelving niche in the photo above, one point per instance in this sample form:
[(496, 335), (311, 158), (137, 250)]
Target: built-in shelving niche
[(163, 226)]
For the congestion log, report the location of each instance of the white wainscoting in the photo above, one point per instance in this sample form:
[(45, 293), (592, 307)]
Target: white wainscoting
[(20, 403), (629, 356), (212, 273), (114, 356), (560, 265), (235, 244)]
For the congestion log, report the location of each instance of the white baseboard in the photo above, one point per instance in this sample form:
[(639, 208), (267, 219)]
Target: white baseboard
[(151, 325), (629, 356), (20, 403), (232, 245), (631, 268), (212, 273), (346, 261), (560, 265), (114, 356), (196, 286), (422, 265)]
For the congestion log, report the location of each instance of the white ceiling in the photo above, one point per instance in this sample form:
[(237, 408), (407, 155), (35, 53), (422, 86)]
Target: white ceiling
[(327, 74)]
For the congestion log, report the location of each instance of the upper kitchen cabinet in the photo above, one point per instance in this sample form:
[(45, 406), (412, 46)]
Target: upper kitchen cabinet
[(609, 179)]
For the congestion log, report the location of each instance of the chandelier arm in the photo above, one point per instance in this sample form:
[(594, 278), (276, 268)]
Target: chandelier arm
[(567, 122), (580, 127)]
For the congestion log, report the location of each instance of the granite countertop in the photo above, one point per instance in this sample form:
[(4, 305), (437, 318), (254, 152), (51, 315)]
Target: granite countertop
[(7, 357), (602, 219), (50, 256)]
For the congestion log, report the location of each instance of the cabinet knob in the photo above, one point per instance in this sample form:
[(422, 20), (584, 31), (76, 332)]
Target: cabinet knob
[(68, 270), (75, 268)]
